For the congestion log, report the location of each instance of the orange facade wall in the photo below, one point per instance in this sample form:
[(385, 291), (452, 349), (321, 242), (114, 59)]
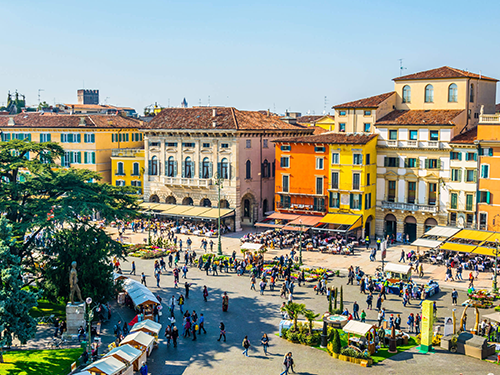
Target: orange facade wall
[(302, 174)]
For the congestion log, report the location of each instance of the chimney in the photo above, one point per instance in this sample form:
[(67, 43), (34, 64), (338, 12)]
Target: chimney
[(268, 113), (110, 122), (214, 124), (11, 121), (214, 112), (82, 122)]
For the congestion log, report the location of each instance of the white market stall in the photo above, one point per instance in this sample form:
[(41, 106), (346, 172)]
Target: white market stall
[(250, 246), (149, 327), (141, 296), (109, 366), (128, 354), (361, 329), (395, 271), (140, 340)]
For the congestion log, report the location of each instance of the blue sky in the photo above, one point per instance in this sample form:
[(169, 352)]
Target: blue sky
[(274, 55)]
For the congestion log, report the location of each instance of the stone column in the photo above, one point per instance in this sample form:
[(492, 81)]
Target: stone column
[(75, 317)]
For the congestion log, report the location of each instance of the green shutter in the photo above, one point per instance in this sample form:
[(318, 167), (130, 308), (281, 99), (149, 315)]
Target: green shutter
[(459, 177), (459, 156), (85, 158), (62, 137), (93, 157), (438, 163), (475, 156), (426, 163), (79, 157), (490, 152), (475, 176), (488, 195)]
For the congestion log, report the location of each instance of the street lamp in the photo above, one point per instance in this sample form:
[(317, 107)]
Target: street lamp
[(218, 182), (300, 242), (90, 317), (149, 227), (496, 261)]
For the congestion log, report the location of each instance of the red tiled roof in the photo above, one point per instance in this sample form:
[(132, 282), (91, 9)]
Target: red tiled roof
[(227, 118), (331, 138), (311, 119), (419, 117), (46, 120), (443, 72), (466, 138), (371, 102), (318, 130)]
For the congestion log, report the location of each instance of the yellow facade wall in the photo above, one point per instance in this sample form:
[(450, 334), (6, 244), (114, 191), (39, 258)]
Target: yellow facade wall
[(128, 175)]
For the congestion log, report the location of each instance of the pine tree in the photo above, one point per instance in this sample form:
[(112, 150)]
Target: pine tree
[(330, 309), (335, 296), (341, 298), (336, 342)]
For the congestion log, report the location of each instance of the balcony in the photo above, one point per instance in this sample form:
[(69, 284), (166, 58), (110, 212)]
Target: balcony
[(301, 207), (119, 172), (189, 182), (489, 119), (409, 207)]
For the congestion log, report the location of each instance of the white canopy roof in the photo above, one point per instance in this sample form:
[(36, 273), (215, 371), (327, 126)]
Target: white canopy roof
[(440, 231), (139, 337), (127, 352), (398, 268), (107, 365), (147, 324), (251, 246), (493, 316), (422, 242), (139, 293), (357, 328), (118, 276)]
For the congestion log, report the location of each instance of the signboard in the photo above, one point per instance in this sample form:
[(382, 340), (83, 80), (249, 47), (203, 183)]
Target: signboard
[(448, 326), (426, 332)]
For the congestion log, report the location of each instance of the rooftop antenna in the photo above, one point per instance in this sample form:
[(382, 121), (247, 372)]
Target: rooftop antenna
[(106, 100), (326, 103), (209, 100), (199, 102), (168, 102), (39, 95), (401, 67)]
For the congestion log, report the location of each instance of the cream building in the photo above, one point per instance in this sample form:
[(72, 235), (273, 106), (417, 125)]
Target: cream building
[(186, 148)]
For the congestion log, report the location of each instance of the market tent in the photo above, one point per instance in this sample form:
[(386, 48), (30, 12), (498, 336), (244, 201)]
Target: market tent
[(128, 355), (139, 340), (147, 326), (397, 268), (139, 293), (441, 231), (340, 222), (435, 236), (250, 246), (493, 316), (107, 366), (357, 328), (463, 248), (119, 276), (422, 242), (473, 235)]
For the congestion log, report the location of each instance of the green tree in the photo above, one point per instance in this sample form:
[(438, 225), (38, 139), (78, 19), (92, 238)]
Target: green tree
[(337, 346), (15, 302), (341, 299), (93, 250), (294, 310), (335, 292), (330, 308), (310, 316), (33, 187)]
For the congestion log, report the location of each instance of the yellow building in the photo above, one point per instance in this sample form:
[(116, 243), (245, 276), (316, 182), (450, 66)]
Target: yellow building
[(326, 122), (88, 140), (128, 167), (353, 174)]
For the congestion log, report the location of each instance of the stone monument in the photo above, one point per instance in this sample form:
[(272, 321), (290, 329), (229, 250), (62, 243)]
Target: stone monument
[(75, 312)]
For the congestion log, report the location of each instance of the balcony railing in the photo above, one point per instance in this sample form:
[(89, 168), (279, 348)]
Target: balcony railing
[(301, 207), (119, 172), (129, 152), (489, 118), (190, 182), (409, 207)]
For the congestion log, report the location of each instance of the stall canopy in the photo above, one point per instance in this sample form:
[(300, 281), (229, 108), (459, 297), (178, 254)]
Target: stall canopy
[(493, 316), (139, 338), (435, 236), (139, 293), (126, 352), (340, 222), (190, 212), (357, 328), (397, 268), (107, 365), (250, 246), (277, 220), (147, 325)]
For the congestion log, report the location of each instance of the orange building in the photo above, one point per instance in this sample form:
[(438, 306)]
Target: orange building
[(488, 164)]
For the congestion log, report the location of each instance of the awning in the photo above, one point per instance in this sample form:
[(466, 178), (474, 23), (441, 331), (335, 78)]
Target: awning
[(280, 216), (268, 225), (458, 247), (493, 316), (357, 328), (213, 213), (484, 251), (469, 234), (306, 220), (397, 268), (440, 231), (107, 365), (251, 246), (126, 352), (179, 210), (149, 205), (295, 229), (195, 211), (341, 219), (422, 242)]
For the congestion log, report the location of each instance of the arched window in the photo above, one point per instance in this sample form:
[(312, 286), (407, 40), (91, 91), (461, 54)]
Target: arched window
[(119, 169), (153, 166), (135, 169), (188, 201), (205, 168), (246, 208), (224, 203), (248, 167), (205, 202), (224, 169), (188, 168), (266, 169), (264, 206), (471, 94), (429, 94), (452, 93), (406, 94), (171, 200), (171, 167)]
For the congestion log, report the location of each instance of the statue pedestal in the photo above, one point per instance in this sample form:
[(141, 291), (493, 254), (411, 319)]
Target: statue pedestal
[(75, 317)]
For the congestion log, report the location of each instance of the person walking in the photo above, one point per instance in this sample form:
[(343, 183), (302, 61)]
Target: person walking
[(201, 324), (420, 270), (175, 336), (363, 316), (410, 323), (186, 287), (287, 363), (222, 329), (265, 342), (252, 283), (180, 302), (454, 297), (379, 302), (246, 345), (397, 322), (143, 279), (458, 275), (158, 278), (402, 257), (225, 302), (369, 301), (355, 310), (144, 369), (132, 272), (205, 293)]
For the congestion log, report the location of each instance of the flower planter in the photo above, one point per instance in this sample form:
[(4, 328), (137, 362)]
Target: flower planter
[(357, 361)]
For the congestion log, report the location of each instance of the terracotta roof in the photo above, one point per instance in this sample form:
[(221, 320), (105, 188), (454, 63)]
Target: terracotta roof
[(371, 102), (318, 130), (309, 119), (331, 138), (51, 120), (468, 137), (419, 117), (227, 118), (443, 72)]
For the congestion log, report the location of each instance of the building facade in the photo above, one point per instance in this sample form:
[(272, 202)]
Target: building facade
[(127, 166), (88, 140), (186, 149)]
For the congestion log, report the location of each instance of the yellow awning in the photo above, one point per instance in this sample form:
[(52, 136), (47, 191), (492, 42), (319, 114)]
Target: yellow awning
[(458, 247), (195, 211), (149, 205), (470, 234), (178, 209), (213, 213), (484, 251), (340, 219), (166, 207)]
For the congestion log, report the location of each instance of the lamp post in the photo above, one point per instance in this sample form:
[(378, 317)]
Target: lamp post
[(496, 261), (300, 243), (90, 317), (218, 183), (149, 227)]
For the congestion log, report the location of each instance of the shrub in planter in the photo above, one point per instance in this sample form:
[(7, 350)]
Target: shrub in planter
[(293, 336), (336, 342)]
